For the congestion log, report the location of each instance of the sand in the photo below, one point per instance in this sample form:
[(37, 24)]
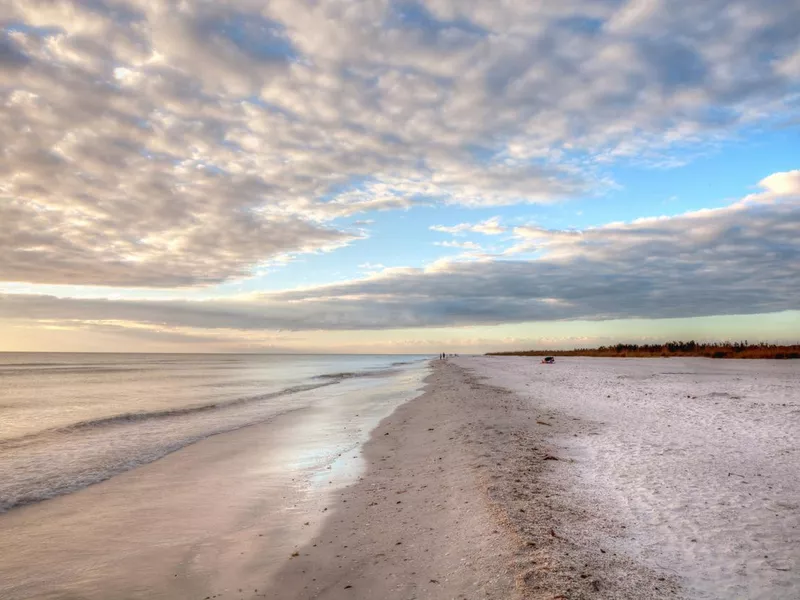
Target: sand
[(416, 525), (697, 459), (453, 505), (506, 479)]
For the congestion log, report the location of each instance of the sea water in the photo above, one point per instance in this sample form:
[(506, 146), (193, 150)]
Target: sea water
[(71, 420)]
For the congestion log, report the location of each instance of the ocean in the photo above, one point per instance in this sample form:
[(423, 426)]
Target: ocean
[(71, 420)]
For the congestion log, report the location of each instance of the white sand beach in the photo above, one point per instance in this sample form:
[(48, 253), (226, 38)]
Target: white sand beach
[(698, 460), (590, 478)]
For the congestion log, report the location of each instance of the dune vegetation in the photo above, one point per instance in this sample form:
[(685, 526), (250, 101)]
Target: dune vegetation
[(691, 348)]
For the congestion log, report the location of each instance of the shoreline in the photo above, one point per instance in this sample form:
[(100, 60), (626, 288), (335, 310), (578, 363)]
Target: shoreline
[(414, 524), (452, 505), (493, 478), (214, 518)]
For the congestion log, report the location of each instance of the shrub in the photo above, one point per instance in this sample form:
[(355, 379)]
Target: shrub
[(676, 348)]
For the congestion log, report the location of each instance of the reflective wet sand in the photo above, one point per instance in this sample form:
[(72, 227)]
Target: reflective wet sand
[(212, 518)]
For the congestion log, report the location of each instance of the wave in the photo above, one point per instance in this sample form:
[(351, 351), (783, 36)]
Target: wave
[(6, 370), (72, 476), (35, 364), (339, 375), (64, 459), (133, 417), (356, 374)]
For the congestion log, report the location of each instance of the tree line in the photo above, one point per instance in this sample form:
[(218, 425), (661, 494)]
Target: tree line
[(742, 349)]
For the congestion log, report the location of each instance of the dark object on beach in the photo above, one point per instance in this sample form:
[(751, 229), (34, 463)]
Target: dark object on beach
[(548, 360)]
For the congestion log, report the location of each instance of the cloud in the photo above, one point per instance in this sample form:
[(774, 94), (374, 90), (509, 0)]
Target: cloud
[(182, 143), (741, 259), (736, 260), (48, 245), (783, 184), (460, 245), (488, 227)]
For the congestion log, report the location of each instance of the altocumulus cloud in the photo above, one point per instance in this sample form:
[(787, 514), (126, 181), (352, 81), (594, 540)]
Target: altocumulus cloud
[(741, 259), (161, 143)]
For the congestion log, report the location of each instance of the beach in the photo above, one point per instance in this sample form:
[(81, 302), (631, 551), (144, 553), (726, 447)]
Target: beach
[(501, 478), (690, 467), (590, 478), (454, 504)]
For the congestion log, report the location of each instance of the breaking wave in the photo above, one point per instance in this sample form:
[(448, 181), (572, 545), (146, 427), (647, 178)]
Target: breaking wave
[(61, 460)]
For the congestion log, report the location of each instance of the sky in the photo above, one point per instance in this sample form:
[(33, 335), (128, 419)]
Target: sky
[(397, 176)]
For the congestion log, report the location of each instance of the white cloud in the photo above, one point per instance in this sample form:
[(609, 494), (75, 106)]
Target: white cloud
[(783, 184), (488, 227), (460, 245), (179, 143)]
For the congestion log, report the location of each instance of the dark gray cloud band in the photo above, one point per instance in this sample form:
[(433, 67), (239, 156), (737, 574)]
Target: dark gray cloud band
[(743, 259)]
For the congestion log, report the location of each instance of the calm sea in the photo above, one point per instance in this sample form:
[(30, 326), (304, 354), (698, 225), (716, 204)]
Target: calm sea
[(70, 420)]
